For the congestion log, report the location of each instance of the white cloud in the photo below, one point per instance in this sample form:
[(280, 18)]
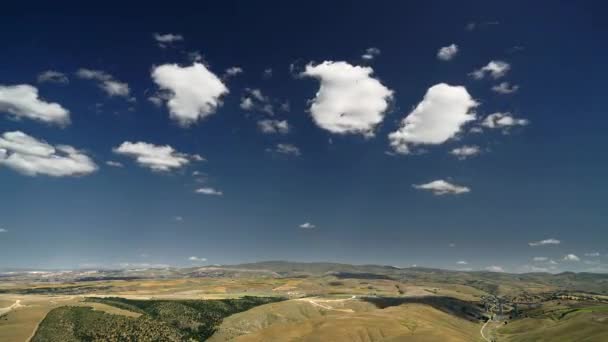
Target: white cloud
[(371, 53), (495, 268), (496, 69), (195, 92), (571, 257), (197, 259), (2, 230), (307, 225), (462, 262), (465, 151), (209, 191), (267, 73), (540, 259), (22, 101), (52, 76), (505, 88), (503, 121), (167, 39), (273, 126), (178, 218), (446, 53), (114, 163), (154, 157), (437, 118), (195, 56), (30, 156), (233, 71), (441, 187), (592, 254), (349, 99), (106, 82), (550, 241), (287, 149), (254, 100)]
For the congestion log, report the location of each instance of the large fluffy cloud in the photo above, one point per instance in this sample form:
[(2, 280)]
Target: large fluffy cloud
[(349, 99), (106, 82), (195, 92), (437, 118), (154, 157), (441, 187), (30, 156), (22, 101)]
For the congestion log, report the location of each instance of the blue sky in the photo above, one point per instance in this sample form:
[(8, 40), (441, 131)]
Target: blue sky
[(503, 146)]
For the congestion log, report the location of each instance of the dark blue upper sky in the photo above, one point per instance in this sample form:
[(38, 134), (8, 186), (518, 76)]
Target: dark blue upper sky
[(541, 179)]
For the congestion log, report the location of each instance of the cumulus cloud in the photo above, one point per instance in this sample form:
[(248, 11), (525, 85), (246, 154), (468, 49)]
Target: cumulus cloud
[(540, 259), (197, 259), (154, 157), (254, 100), (496, 69), (52, 76), (167, 39), (446, 53), (194, 92), (571, 257), (441, 187), (503, 121), (2, 230), (495, 268), (505, 88), (349, 99), (287, 149), (106, 82), (465, 151), (22, 101), (31, 157), (371, 53), (307, 225), (550, 241), (273, 126), (209, 191), (437, 118)]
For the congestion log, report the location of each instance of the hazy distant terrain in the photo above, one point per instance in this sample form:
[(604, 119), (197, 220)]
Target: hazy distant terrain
[(285, 301)]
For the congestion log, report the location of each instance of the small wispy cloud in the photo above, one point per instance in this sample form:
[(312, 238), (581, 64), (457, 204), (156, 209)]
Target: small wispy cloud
[(540, 258), (371, 53), (307, 225), (167, 39), (495, 268), (592, 254), (197, 259), (3, 230), (571, 257), (447, 53), (462, 262), (209, 191), (550, 241), (441, 187)]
